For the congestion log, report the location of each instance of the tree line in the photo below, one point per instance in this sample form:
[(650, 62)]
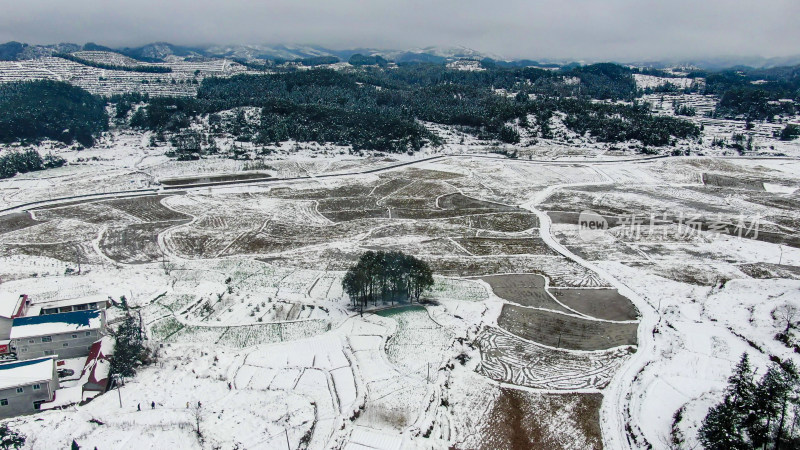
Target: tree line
[(14, 162), (100, 65), (386, 276), (44, 109), (789, 132), (763, 413), (361, 60), (370, 108), (380, 109), (609, 122), (755, 94)]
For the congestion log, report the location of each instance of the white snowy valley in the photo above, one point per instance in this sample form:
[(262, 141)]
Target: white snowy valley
[(536, 332)]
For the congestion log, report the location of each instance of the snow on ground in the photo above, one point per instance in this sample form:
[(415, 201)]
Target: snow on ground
[(182, 377), (242, 285), (697, 340), (239, 286), (651, 81)]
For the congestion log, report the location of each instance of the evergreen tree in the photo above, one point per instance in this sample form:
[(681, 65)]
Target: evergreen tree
[(128, 347), (43, 109), (372, 108), (770, 396), (9, 438), (139, 119), (741, 387), (790, 132), (720, 429), (724, 424), (420, 277), (755, 415), (508, 135), (14, 162)]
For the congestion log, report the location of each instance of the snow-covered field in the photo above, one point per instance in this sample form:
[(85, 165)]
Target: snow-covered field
[(239, 287)]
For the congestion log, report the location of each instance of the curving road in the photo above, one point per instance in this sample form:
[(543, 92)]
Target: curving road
[(615, 415)]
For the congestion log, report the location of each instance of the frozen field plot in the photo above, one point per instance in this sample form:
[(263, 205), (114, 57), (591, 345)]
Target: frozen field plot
[(532, 336)]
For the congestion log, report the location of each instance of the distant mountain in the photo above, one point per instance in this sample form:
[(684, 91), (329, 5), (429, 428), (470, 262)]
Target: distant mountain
[(16, 51), (292, 52), (755, 62), (459, 52), (721, 62), (10, 50), (249, 52), (158, 51), (92, 47)]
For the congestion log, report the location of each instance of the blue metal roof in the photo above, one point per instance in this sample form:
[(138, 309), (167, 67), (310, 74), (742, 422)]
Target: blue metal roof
[(78, 318), (27, 362)]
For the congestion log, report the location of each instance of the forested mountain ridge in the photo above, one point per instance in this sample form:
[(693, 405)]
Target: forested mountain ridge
[(391, 107), (35, 110), (376, 108)]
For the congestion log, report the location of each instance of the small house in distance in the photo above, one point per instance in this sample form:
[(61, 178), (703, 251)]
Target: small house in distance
[(66, 335), (25, 385)]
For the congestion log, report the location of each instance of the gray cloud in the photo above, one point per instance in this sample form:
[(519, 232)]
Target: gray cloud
[(593, 29)]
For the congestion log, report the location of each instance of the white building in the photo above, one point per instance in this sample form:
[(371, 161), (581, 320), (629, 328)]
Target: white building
[(66, 335), (25, 385)]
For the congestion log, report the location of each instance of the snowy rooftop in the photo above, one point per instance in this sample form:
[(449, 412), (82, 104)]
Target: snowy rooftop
[(94, 375), (55, 323), (26, 372), (37, 306), (9, 304)]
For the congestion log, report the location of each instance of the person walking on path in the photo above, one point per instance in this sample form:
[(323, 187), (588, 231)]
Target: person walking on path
[(139, 407), (153, 405)]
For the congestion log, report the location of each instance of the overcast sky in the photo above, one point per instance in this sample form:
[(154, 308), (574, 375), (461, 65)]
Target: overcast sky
[(590, 29)]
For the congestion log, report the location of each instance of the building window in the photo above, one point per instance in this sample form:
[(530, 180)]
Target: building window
[(48, 352), (93, 305), (47, 339), (20, 390), (88, 333), (31, 341), (81, 307), (74, 336), (23, 349), (65, 344), (36, 387), (3, 402)]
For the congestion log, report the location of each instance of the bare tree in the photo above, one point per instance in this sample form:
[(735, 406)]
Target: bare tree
[(197, 412), (786, 315), (165, 262), (78, 255)]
